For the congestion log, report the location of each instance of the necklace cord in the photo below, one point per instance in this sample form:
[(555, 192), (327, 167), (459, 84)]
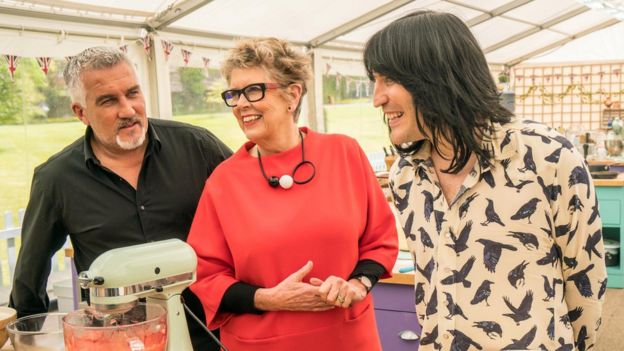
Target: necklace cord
[(274, 181)]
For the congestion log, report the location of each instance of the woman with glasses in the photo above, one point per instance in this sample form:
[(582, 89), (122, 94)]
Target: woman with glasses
[(292, 231)]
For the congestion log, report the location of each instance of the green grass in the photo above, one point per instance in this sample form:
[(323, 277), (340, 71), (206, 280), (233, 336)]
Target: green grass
[(361, 121), (223, 125), (23, 147)]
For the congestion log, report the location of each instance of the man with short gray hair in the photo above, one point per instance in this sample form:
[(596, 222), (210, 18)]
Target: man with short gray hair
[(128, 180)]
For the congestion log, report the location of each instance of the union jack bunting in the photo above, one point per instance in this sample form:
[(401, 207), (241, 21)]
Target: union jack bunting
[(206, 62), (12, 61), (44, 63), (124, 48), (186, 55), (167, 48), (147, 45)]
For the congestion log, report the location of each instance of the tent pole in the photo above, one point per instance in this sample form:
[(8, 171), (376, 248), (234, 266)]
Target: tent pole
[(315, 93)]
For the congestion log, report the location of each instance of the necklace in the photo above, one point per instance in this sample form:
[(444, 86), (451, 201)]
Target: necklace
[(286, 181)]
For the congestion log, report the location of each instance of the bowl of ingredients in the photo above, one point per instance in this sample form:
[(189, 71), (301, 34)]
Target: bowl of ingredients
[(143, 327)]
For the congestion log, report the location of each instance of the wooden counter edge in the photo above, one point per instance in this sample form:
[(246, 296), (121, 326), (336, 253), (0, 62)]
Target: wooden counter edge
[(399, 278), (609, 182)]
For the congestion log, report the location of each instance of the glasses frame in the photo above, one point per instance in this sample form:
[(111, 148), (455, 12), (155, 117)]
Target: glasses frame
[(239, 92)]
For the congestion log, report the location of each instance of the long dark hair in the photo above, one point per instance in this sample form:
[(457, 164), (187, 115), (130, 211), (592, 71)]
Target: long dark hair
[(439, 62)]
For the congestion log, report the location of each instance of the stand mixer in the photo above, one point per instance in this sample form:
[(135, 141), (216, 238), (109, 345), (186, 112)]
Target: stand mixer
[(158, 271)]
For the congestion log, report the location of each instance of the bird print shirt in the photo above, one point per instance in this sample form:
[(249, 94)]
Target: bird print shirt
[(515, 260)]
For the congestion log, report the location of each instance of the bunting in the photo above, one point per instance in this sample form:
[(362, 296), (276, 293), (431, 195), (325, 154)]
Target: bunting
[(167, 48), (146, 40), (206, 62), (186, 55), (123, 48), (44, 63), (12, 61)]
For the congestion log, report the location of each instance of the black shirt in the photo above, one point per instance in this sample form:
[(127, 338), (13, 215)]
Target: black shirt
[(72, 194)]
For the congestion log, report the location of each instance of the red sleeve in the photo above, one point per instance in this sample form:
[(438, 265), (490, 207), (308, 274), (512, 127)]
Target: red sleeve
[(379, 241), (215, 273)]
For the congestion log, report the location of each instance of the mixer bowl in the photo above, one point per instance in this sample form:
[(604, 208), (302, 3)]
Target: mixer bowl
[(41, 332), (143, 327)]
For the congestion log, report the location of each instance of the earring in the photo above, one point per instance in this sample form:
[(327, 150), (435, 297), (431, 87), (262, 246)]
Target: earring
[(288, 108)]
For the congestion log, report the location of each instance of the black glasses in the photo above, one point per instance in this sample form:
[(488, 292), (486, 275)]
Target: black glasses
[(253, 92)]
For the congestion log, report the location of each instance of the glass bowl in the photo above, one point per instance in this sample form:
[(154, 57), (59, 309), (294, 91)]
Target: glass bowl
[(41, 332), (143, 327)]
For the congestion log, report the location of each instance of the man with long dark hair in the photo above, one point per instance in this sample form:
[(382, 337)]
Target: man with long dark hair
[(501, 213)]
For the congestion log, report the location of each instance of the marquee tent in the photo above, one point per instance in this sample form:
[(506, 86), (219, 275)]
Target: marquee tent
[(199, 32)]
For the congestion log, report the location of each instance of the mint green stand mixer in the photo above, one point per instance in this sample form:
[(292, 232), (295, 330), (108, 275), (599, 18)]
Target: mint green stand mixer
[(158, 271)]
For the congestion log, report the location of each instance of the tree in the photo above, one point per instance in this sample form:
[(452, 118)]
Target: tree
[(213, 95), (20, 99), (191, 98), (55, 92), (10, 99)]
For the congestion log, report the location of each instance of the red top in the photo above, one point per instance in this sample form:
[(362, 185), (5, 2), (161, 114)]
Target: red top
[(244, 230)]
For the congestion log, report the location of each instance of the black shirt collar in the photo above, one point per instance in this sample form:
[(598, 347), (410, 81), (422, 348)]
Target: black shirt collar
[(153, 146)]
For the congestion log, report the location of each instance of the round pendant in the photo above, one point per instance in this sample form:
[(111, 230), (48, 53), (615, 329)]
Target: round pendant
[(286, 181)]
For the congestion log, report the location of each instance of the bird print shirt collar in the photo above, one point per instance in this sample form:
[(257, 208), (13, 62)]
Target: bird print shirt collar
[(514, 260), (500, 143)]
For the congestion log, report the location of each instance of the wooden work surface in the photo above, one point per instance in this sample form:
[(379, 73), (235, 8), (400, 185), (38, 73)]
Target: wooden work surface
[(399, 278), (619, 181)]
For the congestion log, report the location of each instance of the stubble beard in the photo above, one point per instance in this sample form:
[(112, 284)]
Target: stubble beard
[(134, 141)]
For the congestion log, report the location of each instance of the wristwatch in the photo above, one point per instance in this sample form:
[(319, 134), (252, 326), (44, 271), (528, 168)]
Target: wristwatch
[(366, 282)]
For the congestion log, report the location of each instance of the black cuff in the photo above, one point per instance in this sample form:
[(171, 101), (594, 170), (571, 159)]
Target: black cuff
[(239, 298), (369, 268)]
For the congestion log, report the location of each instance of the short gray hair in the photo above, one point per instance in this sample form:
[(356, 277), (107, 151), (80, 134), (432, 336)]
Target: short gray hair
[(95, 58)]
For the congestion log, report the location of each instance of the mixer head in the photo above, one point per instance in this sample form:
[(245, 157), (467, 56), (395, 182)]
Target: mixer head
[(118, 277)]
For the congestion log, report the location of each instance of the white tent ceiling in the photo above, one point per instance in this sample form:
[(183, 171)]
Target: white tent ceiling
[(333, 31), (510, 31)]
